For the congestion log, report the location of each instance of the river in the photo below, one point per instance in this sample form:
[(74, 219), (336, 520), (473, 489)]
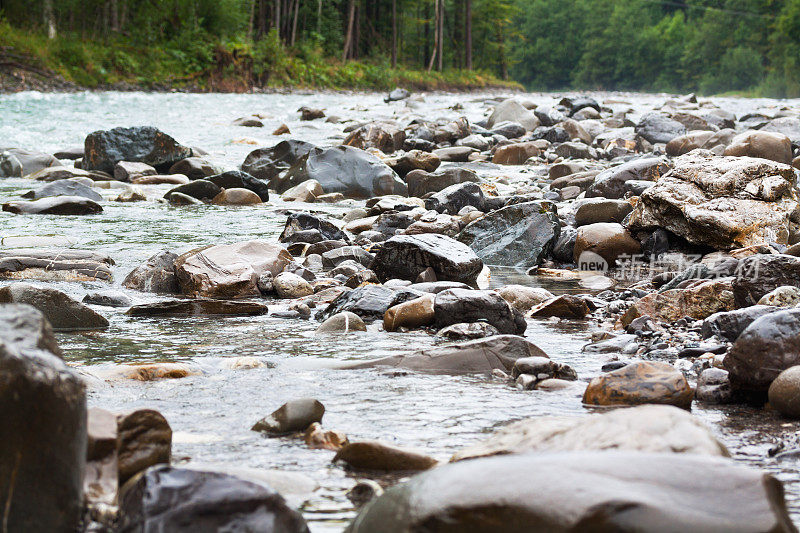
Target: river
[(211, 414)]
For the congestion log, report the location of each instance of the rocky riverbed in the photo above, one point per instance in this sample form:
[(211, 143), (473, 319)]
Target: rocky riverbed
[(300, 301)]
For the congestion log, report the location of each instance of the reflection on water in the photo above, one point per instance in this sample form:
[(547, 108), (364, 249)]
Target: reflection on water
[(212, 412)]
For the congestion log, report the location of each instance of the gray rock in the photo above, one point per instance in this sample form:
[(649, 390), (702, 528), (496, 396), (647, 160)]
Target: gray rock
[(658, 128), (344, 322), (406, 256), (611, 183), (55, 205), (16, 162), (266, 163), (730, 324), (456, 197), (156, 275), (291, 417), (65, 187), (455, 306), (61, 311)]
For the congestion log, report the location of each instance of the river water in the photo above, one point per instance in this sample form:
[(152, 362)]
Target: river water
[(211, 413)]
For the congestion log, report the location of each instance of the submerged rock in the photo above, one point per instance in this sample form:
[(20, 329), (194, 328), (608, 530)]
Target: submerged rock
[(581, 491), (291, 417), (374, 455), (198, 308)]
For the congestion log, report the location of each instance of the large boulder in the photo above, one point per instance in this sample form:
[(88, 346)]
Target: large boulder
[(266, 163), (640, 383), (55, 265), (187, 501), (512, 111), (43, 408), (760, 274), (646, 428), (156, 275), (407, 256), (343, 169), (611, 182), (658, 128), (384, 136), (61, 310), (16, 162), (722, 202), (761, 144), (54, 205), (473, 357), (518, 235), (457, 306), (104, 149), (582, 491), (765, 348), (229, 270), (699, 300)]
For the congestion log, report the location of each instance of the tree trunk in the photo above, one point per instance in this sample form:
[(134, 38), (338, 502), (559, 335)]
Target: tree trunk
[(394, 33), (468, 36), (49, 19), (252, 20), (441, 35), (348, 39), (294, 24), (278, 16), (435, 34), (319, 16), (113, 12)]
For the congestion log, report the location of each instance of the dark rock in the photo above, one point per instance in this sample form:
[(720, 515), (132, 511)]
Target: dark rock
[(760, 274), (194, 168), (55, 205), (266, 163), (509, 130), (564, 247), (455, 197), (107, 299), (335, 257), (455, 306), (310, 113), (301, 222), (146, 144), (564, 306), (581, 491), (156, 275), (549, 116), (198, 308), (713, 386), (291, 417), (611, 183), (377, 456), (343, 169), (405, 256), (658, 128), (144, 439), (236, 179), (189, 501), (519, 235), (43, 408), (768, 346), (730, 324), (199, 189), (61, 311), (576, 103), (73, 152), (421, 183), (370, 302), (64, 188)]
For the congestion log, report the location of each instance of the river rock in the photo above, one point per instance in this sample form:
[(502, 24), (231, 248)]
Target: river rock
[(43, 408), (713, 386), (58, 173), (658, 128), (384, 136), (760, 274), (303, 222), (16, 162), (480, 356), (291, 417), (699, 300), (156, 275), (639, 383), (374, 455), (411, 314), (761, 144), (421, 183), (229, 270), (730, 324), (251, 121), (767, 347), (344, 322), (104, 149), (289, 285), (55, 265), (55, 205), (266, 163), (108, 298), (611, 183), (202, 190), (236, 197), (786, 296), (467, 331), (198, 308), (516, 154), (310, 113), (519, 235), (194, 168), (784, 393), (511, 110), (406, 256), (608, 240), (343, 169), (128, 170), (61, 310), (564, 306), (594, 210), (307, 191), (183, 500), (581, 491), (237, 179), (456, 197), (66, 187), (454, 154), (415, 160), (144, 439), (455, 306), (523, 298), (646, 428)]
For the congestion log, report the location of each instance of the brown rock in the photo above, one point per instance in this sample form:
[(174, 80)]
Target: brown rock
[(319, 439), (640, 383), (374, 455), (564, 306), (144, 439), (699, 301), (609, 240), (515, 154), (236, 197), (764, 144), (411, 314)]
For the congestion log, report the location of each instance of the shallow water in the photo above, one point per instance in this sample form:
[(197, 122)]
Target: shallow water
[(211, 414)]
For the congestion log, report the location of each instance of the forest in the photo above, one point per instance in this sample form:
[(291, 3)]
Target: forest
[(707, 46)]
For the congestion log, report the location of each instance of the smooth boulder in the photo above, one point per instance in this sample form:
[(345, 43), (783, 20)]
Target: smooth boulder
[(406, 256), (104, 149), (63, 312), (640, 383)]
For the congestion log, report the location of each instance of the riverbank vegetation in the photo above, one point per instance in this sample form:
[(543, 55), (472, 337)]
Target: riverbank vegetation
[(708, 46)]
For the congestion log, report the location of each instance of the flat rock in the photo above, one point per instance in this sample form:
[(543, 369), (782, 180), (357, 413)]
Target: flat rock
[(61, 310)]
